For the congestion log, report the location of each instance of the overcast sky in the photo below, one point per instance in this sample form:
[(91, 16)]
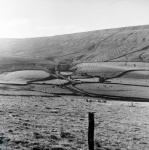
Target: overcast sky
[(34, 18)]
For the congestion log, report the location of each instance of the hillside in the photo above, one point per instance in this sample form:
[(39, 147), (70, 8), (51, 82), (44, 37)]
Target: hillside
[(121, 44)]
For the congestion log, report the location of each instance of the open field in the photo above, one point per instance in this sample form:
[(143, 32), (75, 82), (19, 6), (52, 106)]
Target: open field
[(61, 123)]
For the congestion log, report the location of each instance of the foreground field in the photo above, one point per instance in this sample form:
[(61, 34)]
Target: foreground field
[(37, 123)]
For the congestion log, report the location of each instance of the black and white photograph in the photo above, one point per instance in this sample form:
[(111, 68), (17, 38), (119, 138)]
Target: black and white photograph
[(74, 75)]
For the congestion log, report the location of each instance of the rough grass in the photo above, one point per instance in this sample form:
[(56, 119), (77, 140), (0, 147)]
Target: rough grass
[(61, 124)]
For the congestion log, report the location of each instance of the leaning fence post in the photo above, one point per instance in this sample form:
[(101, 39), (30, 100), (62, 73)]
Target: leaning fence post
[(91, 131)]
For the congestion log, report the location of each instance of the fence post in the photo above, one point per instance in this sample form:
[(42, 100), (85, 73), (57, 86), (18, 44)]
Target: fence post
[(91, 131)]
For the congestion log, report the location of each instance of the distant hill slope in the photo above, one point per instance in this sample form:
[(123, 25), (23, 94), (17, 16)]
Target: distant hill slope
[(120, 44)]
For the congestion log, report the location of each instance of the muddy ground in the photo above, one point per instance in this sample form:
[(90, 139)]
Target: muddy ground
[(42, 123)]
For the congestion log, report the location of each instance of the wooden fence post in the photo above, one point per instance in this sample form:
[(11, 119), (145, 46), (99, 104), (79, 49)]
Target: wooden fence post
[(91, 131)]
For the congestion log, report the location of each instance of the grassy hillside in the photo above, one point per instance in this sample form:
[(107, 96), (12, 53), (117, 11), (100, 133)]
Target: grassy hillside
[(121, 44)]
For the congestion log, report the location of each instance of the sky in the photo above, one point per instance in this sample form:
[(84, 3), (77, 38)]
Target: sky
[(38, 18)]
